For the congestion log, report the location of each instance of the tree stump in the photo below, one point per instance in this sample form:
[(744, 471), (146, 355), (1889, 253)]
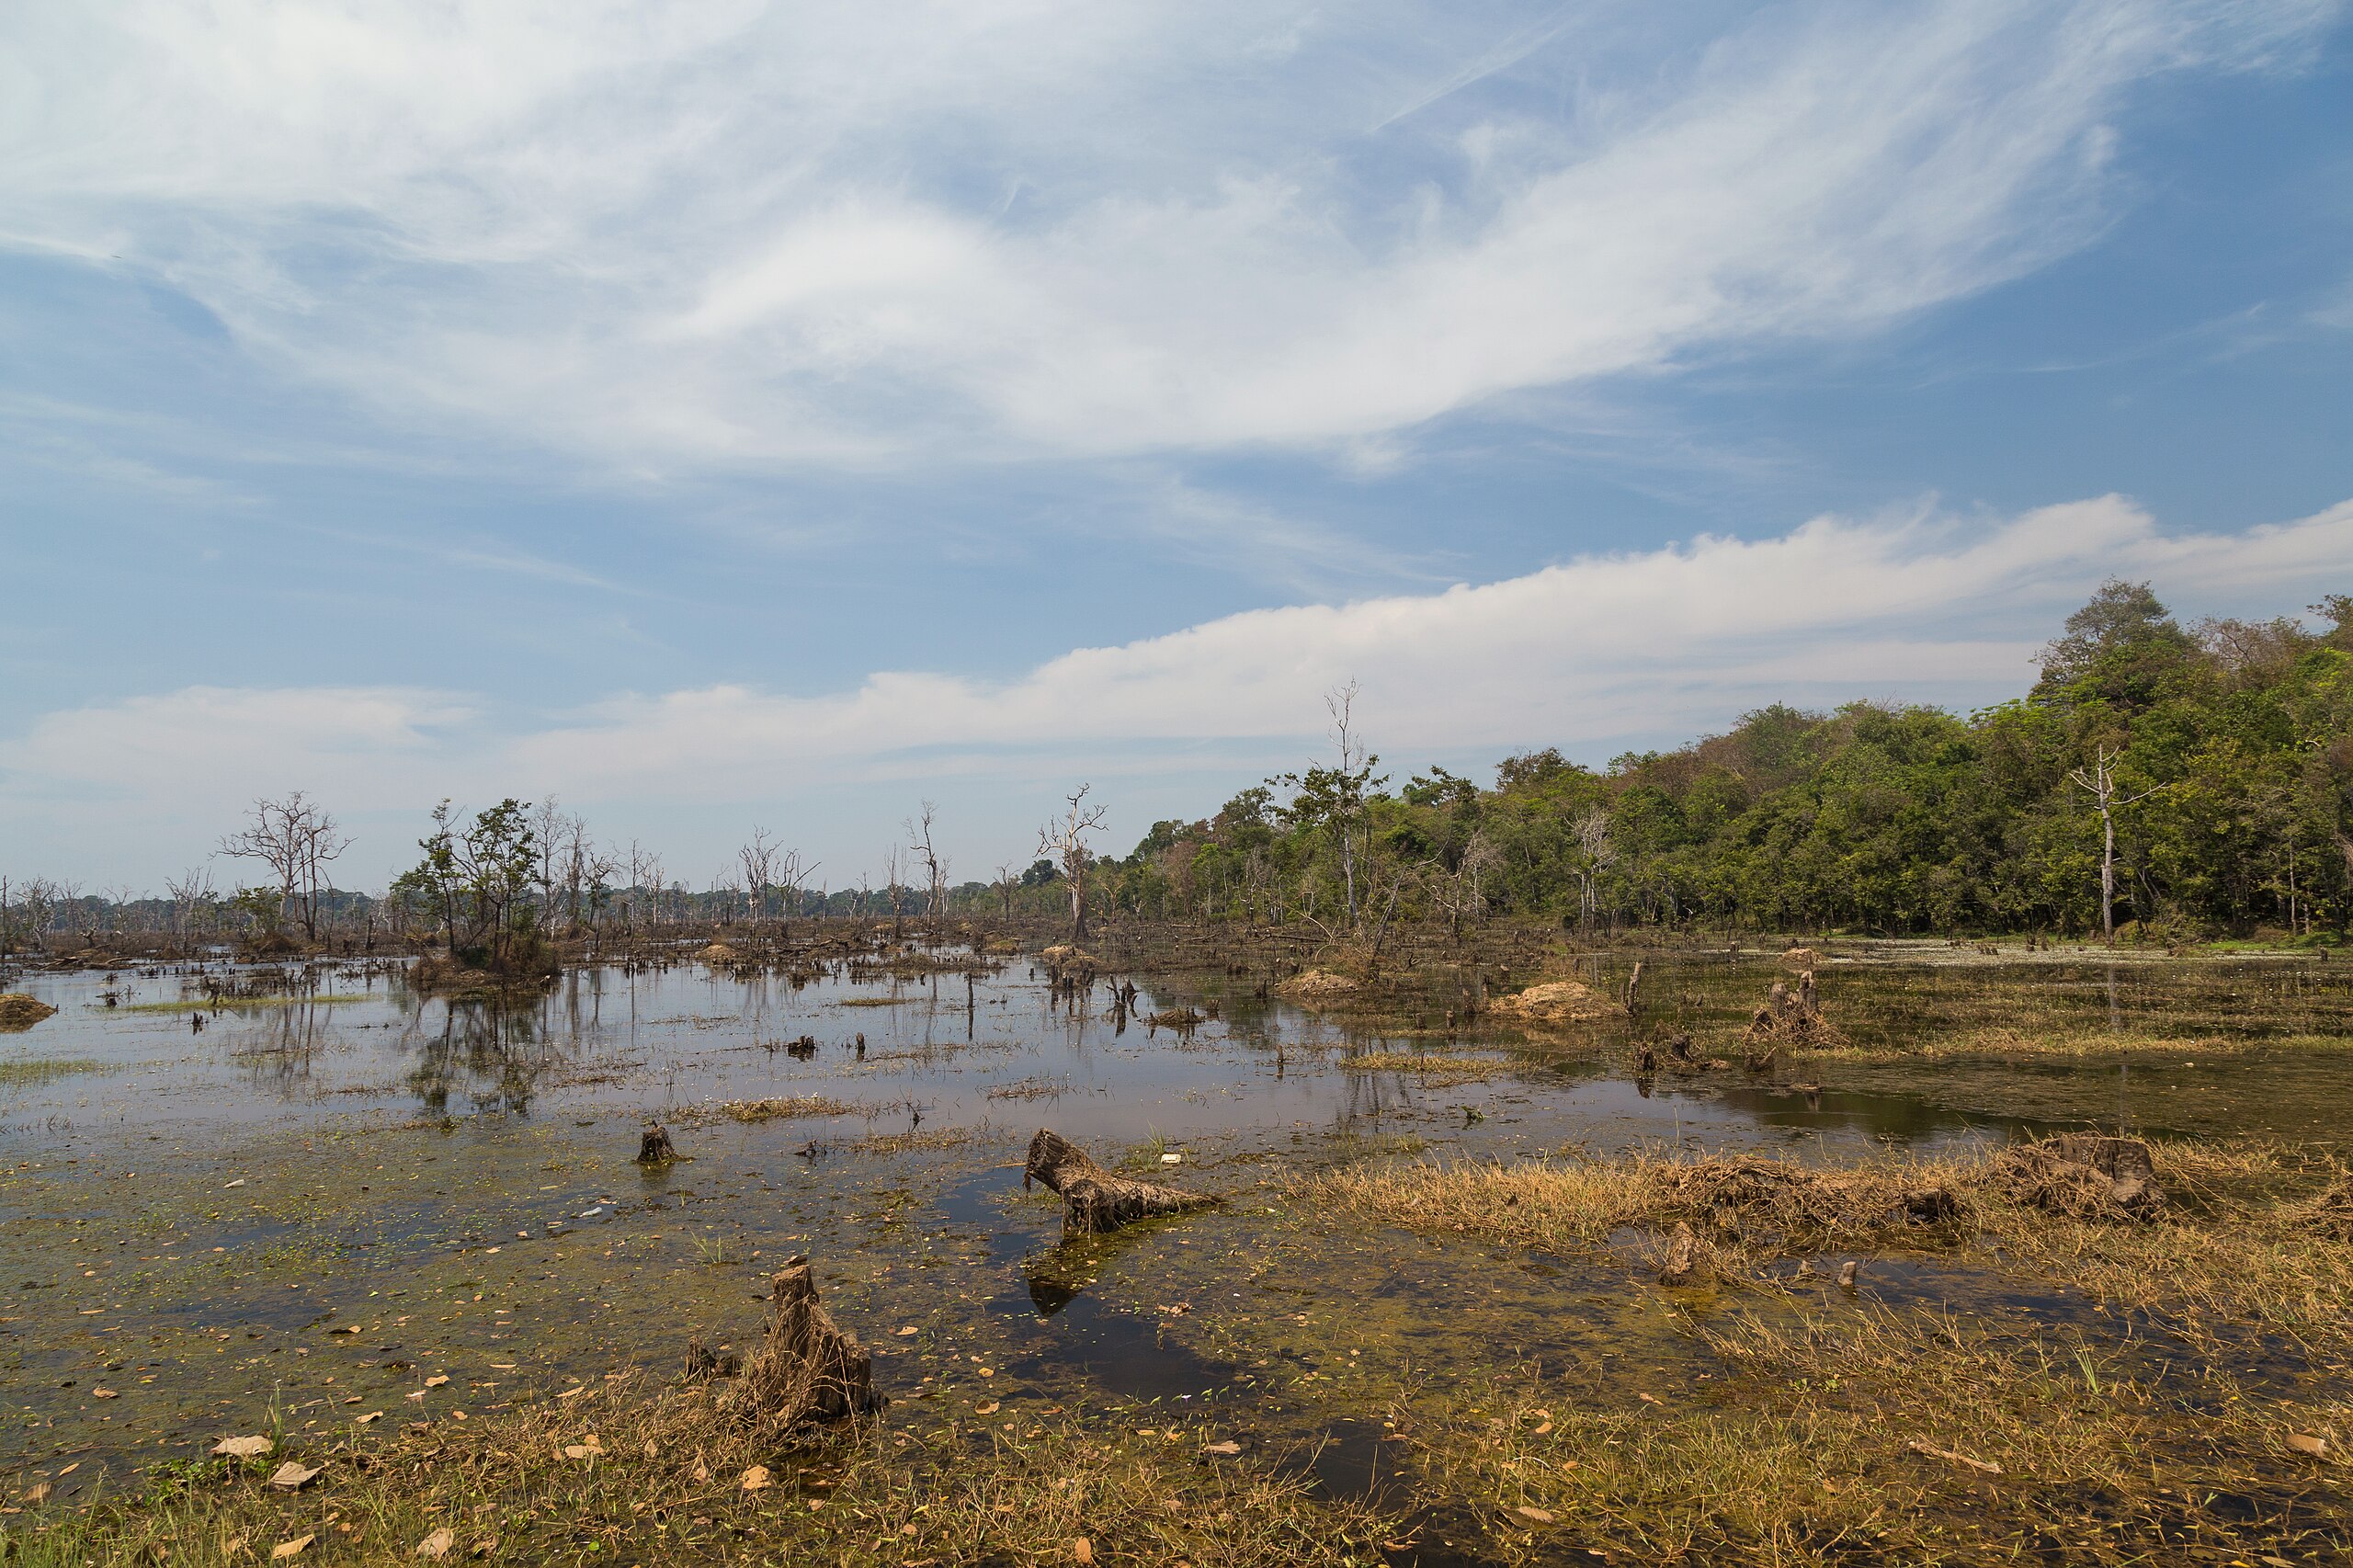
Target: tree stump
[(655, 1147), (703, 1363), (1682, 1260), (1094, 1201), (2083, 1175), (806, 1369), (1792, 1015)]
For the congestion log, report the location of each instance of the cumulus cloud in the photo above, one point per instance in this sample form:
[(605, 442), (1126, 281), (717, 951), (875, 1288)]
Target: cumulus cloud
[(736, 234), (1590, 654)]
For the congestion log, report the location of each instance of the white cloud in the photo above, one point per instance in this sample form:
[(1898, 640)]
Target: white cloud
[(736, 234), (1593, 652)]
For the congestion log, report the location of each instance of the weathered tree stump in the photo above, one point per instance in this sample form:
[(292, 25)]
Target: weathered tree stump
[(655, 1147), (2083, 1175), (703, 1363), (1094, 1201), (1682, 1262), (1792, 1015), (807, 1370)]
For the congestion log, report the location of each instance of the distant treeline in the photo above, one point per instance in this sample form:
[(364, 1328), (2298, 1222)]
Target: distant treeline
[(2222, 754), (2168, 782)]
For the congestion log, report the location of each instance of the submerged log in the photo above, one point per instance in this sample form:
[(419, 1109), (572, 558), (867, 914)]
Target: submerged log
[(1094, 1201), (807, 1370), (655, 1147)]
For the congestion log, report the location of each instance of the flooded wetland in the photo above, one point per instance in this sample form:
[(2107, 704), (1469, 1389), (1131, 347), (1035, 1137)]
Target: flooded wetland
[(1487, 1294)]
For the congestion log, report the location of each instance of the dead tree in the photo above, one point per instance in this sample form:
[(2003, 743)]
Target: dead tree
[(190, 893), (1065, 842), (1094, 1201), (807, 1370), (935, 868), (894, 876), (296, 840), (2101, 782), (758, 860)]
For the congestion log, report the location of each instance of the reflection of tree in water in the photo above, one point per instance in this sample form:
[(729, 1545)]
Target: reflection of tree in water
[(279, 1045), (496, 1054)]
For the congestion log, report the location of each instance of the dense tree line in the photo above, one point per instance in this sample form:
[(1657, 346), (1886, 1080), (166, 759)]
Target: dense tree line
[(2221, 753), (2169, 781)]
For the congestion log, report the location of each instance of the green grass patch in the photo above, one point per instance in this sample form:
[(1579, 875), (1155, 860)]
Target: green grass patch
[(243, 1003), (33, 1072)]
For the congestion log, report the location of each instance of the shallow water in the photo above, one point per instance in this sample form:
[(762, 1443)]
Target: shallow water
[(188, 1218)]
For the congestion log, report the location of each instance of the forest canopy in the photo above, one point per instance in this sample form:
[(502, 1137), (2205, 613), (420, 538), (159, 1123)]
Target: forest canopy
[(2224, 751)]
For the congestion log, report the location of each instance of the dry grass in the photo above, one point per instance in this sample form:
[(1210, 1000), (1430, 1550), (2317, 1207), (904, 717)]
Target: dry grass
[(2251, 1235), (653, 1477), (1880, 1436), (2009, 1042)]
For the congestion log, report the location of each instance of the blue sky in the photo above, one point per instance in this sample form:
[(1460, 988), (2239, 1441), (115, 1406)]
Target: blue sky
[(731, 414)]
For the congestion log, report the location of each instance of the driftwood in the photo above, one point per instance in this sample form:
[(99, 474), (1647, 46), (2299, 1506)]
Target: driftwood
[(806, 1368), (1094, 1201), (655, 1147)]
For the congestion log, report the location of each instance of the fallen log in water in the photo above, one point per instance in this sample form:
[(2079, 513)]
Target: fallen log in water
[(1094, 1201)]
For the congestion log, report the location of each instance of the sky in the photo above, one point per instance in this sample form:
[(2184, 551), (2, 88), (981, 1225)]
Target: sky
[(728, 415)]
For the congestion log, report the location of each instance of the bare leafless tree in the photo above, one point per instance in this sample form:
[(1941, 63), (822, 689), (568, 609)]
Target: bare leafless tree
[(894, 877), (792, 874), (650, 878), (1597, 855), (2099, 782), (1007, 878), (191, 891), (1065, 842), (935, 867), (296, 839), (26, 909), (758, 859)]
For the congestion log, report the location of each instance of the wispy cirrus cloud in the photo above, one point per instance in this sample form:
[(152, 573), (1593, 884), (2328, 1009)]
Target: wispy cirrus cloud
[(736, 236)]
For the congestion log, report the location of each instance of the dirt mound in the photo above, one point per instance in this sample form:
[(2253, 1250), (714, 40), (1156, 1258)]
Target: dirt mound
[(1312, 985), (719, 953), (20, 1012), (1555, 1002), (1801, 958), (2082, 1175)]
